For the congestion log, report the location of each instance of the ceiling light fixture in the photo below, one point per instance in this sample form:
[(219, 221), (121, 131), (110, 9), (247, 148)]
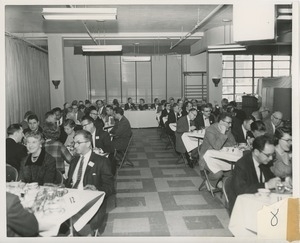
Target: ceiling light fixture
[(223, 48), (79, 13), (102, 48), (136, 59)]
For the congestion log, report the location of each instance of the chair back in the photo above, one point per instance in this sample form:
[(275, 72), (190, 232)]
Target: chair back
[(11, 173), (59, 179)]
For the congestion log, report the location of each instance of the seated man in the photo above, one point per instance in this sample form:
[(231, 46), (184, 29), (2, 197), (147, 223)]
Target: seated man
[(15, 151), (90, 171), (164, 114), (101, 141), (24, 123), (252, 170), (93, 113), (19, 221), (121, 132), (50, 117), (33, 124), (156, 105), (204, 118), (184, 124), (257, 128), (142, 106), (273, 122), (241, 132), (59, 116), (217, 136), (109, 117), (130, 105)]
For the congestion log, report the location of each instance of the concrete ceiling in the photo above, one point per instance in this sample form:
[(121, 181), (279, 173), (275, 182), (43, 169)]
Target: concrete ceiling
[(143, 29)]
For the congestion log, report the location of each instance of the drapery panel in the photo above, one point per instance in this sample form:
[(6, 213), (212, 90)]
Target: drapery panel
[(27, 85)]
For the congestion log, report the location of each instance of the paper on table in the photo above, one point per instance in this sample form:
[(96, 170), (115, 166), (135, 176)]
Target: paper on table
[(280, 220)]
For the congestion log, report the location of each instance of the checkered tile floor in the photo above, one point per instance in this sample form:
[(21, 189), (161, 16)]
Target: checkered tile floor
[(158, 197)]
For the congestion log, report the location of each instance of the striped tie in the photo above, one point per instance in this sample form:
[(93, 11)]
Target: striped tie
[(79, 173)]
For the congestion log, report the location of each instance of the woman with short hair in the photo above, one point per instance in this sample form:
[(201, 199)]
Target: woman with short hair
[(38, 166)]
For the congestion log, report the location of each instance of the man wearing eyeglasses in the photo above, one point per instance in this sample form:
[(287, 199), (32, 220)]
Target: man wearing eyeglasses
[(204, 118), (273, 122), (252, 170), (185, 124), (97, 121), (90, 171), (217, 136)]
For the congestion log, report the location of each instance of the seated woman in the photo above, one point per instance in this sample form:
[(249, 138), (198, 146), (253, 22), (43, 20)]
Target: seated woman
[(282, 164), (257, 128), (38, 166), (142, 106), (115, 103)]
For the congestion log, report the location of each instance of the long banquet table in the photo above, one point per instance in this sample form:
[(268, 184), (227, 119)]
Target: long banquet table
[(80, 205), (141, 119)]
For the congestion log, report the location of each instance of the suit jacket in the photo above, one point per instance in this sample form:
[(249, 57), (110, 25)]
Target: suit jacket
[(143, 107), (159, 107), (19, 221), (15, 152), (122, 133), (99, 123), (97, 173), (214, 139), (172, 118), (80, 114), (130, 106), (103, 141), (182, 127), (269, 126), (164, 113), (199, 121), (244, 177), (238, 134)]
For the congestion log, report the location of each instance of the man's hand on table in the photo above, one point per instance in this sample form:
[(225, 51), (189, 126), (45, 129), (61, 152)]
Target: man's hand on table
[(90, 187), (271, 184)]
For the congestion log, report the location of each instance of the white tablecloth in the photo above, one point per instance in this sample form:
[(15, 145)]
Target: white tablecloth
[(243, 220), (141, 119), (86, 201), (218, 160), (192, 140)]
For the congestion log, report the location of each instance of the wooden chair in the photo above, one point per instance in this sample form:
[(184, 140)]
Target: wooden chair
[(123, 155), (11, 173)]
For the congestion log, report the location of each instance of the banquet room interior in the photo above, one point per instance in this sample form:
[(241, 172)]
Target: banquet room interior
[(152, 65)]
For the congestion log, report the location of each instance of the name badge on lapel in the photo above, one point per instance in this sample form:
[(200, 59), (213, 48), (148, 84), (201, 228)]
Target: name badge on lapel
[(91, 164), (97, 137)]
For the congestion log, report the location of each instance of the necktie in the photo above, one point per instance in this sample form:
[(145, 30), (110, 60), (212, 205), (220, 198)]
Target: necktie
[(261, 174), (79, 173)]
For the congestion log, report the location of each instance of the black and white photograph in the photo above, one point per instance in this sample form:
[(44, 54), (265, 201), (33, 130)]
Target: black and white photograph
[(150, 120)]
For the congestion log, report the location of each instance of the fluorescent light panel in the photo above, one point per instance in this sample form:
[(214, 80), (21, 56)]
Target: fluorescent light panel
[(225, 46), (226, 49), (79, 13), (102, 48), (136, 59)]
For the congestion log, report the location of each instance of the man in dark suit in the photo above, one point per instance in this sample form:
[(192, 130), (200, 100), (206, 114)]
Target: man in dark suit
[(19, 221), (204, 118), (241, 132), (101, 140), (273, 122), (97, 121), (15, 151), (184, 124), (121, 132), (130, 105), (78, 113), (164, 114), (156, 105), (142, 106), (33, 124), (172, 118), (252, 171), (90, 171), (101, 108)]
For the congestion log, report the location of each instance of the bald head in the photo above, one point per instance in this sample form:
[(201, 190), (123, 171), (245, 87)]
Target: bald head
[(276, 118)]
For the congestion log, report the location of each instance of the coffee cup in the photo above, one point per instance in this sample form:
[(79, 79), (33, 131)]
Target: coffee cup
[(263, 192)]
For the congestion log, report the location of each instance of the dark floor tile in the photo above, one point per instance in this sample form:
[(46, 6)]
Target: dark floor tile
[(164, 172), (180, 183), (202, 222), (148, 185), (129, 173)]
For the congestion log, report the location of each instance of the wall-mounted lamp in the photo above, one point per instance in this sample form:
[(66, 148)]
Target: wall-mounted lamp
[(216, 81), (56, 83)]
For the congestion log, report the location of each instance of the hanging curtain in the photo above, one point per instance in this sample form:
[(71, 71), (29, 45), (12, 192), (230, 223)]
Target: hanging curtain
[(27, 83)]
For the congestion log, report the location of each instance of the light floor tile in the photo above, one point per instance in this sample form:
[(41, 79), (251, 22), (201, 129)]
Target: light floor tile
[(130, 185), (131, 225), (173, 172), (127, 173)]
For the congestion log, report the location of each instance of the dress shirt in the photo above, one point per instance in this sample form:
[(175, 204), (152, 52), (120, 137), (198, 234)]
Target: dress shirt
[(94, 139), (258, 171), (189, 122), (100, 110), (85, 162), (273, 126), (244, 132), (206, 121)]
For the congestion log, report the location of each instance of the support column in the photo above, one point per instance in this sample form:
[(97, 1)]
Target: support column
[(56, 69)]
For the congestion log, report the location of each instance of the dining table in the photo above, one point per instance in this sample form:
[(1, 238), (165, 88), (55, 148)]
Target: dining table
[(141, 118), (192, 139), (244, 217), (53, 205), (223, 159)]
